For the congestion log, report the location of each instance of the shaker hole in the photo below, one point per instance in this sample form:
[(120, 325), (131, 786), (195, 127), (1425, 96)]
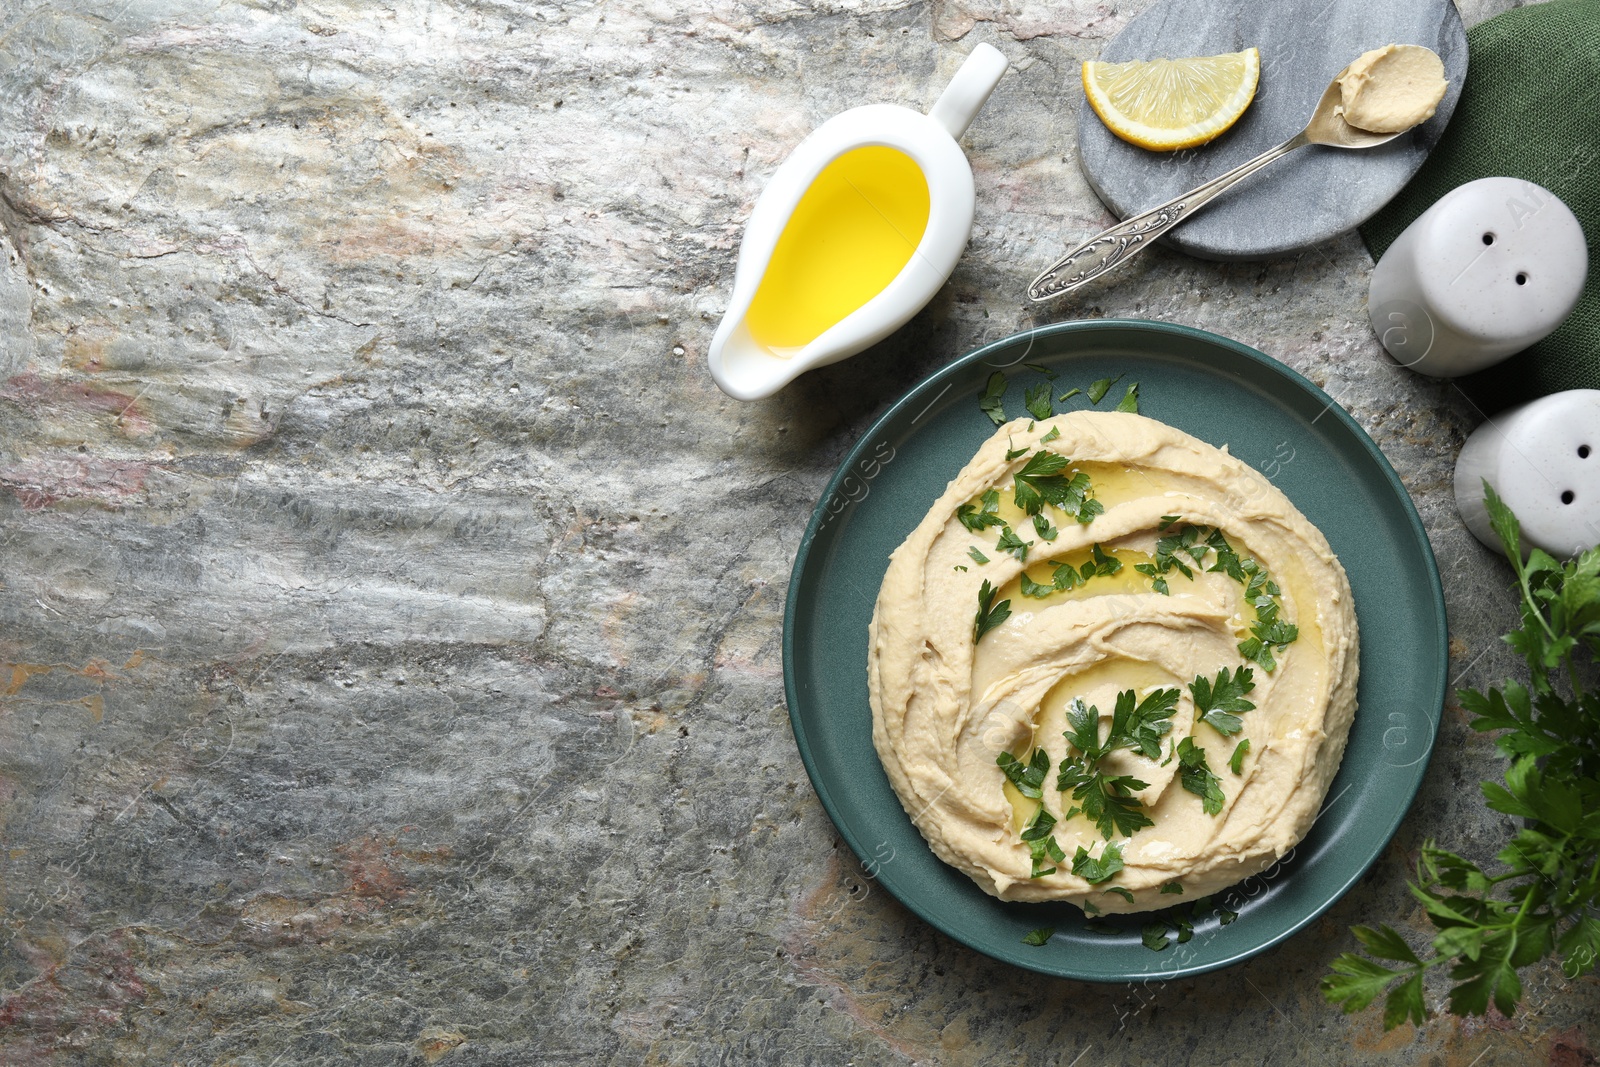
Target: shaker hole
[(1522, 278), (1583, 451), (1488, 238), (1566, 496)]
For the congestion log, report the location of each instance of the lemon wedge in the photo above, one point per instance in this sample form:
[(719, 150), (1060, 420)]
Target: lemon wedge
[(1167, 104)]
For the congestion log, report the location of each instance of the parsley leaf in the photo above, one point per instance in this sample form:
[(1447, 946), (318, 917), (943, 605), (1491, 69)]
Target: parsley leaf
[(1217, 701), (978, 520), (1042, 526), (988, 618), (1141, 727), (977, 557), (1041, 481), (1125, 894), (1130, 399), (1065, 576), (1010, 542), (1040, 368), (958, 567), (1197, 778), (1013, 453), (1039, 937), (1095, 871), (1034, 589), (1106, 800), (1236, 761), (1055, 432), (1172, 887), (1099, 388), (1041, 844), (1027, 777), (991, 402), (1154, 936), (1037, 401), (1068, 395)]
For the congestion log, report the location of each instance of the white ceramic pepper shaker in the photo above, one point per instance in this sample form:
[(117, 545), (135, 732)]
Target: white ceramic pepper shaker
[(1492, 267), (1543, 460)]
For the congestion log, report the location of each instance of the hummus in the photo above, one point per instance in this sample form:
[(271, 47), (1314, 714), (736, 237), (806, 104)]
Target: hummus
[(1392, 88), (959, 717)]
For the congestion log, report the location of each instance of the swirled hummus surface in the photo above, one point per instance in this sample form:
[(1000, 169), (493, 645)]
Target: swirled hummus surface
[(999, 688)]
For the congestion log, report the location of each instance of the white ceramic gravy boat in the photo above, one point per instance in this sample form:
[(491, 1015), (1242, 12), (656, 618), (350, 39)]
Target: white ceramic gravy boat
[(746, 369)]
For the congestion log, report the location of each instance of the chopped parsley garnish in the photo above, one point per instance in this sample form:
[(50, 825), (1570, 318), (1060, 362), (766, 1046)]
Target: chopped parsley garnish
[(1065, 576), (1197, 778), (958, 567), (1217, 701), (977, 520), (1068, 395), (1037, 938), (1236, 761), (1037, 590), (1105, 564), (1172, 887), (1099, 388), (989, 617), (1130, 399), (1040, 368), (1041, 482), (977, 557), (1042, 526), (1010, 542), (1095, 871), (1013, 453), (1037, 401), (1027, 777), (1268, 633), (1180, 919), (1265, 637), (991, 402), (1055, 432), (1042, 844), (1107, 799), (1125, 894)]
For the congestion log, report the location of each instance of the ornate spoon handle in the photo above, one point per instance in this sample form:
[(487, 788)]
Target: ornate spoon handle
[(1112, 247)]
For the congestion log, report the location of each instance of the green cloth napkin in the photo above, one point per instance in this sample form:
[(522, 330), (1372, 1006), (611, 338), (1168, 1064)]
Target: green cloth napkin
[(1530, 109)]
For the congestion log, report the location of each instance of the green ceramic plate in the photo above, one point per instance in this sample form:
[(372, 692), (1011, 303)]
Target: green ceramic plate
[(1222, 392)]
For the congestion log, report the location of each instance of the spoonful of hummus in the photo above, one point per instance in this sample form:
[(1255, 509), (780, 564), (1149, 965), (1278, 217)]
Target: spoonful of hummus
[(1392, 88)]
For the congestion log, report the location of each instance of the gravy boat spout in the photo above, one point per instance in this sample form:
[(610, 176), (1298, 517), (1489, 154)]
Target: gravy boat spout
[(830, 267)]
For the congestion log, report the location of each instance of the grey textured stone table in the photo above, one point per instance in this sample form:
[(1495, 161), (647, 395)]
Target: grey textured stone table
[(390, 604)]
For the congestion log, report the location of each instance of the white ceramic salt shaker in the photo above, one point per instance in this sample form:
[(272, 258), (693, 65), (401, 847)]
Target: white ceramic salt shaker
[(1543, 460), (1492, 267)]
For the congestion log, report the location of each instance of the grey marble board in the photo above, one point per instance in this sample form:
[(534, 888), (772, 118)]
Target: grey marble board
[(1309, 196)]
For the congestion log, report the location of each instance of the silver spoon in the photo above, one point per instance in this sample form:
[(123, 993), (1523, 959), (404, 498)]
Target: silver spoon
[(1122, 242)]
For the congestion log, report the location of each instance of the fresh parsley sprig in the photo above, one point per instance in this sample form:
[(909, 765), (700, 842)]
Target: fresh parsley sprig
[(1041, 481), (1195, 774), (1016, 546), (1218, 701), (1546, 899), (989, 617), (1107, 800), (979, 519)]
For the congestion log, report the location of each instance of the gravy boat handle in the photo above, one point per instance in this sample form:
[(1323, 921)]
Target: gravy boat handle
[(969, 90)]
